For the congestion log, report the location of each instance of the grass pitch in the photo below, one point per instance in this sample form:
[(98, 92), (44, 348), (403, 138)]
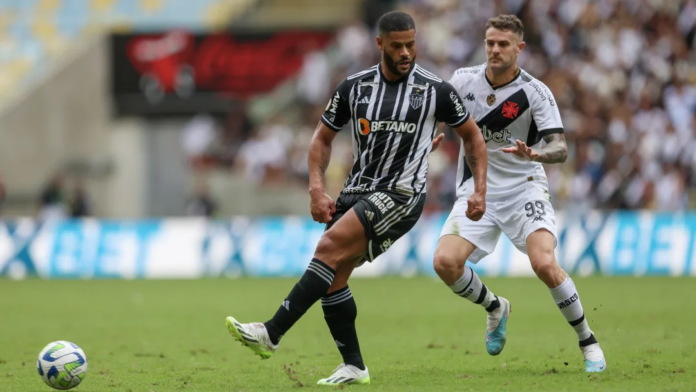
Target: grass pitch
[(415, 335)]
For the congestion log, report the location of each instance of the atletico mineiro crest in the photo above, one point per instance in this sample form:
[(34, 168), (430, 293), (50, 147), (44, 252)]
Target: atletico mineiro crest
[(490, 100), (416, 99)]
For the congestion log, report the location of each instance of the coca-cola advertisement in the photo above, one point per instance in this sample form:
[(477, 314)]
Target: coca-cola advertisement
[(181, 73)]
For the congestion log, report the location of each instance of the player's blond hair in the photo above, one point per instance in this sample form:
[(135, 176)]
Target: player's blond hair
[(507, 22)]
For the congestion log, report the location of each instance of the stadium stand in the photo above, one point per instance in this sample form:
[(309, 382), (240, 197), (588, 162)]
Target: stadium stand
[(623, 73), (34, 33)]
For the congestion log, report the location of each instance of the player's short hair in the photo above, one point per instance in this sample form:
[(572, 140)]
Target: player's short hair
[(507, 22), (395, 21)]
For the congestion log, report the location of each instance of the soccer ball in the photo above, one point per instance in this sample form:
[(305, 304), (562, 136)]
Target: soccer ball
[(62, 365)]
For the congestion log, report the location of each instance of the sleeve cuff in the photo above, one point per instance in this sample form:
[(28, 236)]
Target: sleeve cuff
[(329, 124), (550, 131), (460, 122)]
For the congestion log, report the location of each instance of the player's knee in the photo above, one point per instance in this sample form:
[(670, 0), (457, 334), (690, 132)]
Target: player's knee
[(331, 250), (446, 264), (544, 263), (326, 251), (338, 283)]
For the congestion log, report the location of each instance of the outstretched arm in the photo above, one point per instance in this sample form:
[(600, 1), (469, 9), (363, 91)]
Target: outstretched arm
[(555, 150), (322, 206)]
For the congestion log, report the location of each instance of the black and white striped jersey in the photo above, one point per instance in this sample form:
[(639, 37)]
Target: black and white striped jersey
[(522, 109), (392, 126)]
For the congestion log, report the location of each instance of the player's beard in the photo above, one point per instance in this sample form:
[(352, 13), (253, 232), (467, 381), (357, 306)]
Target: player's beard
[(393, 67), (502, 66)]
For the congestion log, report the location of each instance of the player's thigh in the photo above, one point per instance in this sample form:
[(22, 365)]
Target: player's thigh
[(540, 247), (531, 211), (388, 217), (483, 234), (343, 241)]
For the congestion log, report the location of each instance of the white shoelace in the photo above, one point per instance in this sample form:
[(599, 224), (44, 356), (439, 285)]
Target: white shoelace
[(344, 370), (258, 331), (593, 352)]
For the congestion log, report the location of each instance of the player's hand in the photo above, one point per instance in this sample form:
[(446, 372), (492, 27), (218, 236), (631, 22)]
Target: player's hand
[(322, 207), (437, 141), (522, 150), (476, 206)]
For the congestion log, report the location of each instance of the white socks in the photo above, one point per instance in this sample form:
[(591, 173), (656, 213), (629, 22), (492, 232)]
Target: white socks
[(469, 286), (568, 301)]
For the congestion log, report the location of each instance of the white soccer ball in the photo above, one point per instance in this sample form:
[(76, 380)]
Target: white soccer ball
[(62, 365)]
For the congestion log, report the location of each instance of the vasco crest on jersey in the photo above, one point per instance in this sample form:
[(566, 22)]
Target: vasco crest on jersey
[(416, 98)]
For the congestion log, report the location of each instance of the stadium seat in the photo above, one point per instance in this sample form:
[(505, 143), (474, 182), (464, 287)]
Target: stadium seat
[(33, 32)]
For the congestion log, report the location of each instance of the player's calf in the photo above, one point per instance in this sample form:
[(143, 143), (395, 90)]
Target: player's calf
[(312, 286), (568, 301), (340, 312), (540, 245), (450, 265), (469, 286)]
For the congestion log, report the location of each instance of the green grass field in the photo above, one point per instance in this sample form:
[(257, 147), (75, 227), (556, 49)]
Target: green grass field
[(415, 335)]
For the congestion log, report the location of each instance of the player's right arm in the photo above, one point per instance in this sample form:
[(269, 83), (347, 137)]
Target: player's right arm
[(322, 206), (476, 156), (335, 117), (451, 111)]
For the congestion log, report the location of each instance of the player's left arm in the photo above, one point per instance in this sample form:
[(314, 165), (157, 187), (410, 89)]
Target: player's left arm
[(548, 120), (555, 150)]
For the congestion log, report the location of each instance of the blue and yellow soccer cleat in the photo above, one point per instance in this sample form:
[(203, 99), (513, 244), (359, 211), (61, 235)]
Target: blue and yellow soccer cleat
[(252, 335), (346, 374), (594, 358), (496, 327)]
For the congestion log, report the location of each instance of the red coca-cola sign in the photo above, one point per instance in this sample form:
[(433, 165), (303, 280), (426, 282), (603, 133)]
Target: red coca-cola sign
[(162, 62), (166, 68)]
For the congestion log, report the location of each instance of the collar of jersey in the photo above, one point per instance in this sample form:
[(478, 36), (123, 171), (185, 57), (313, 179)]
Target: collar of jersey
[(395, 83), (517, 75)]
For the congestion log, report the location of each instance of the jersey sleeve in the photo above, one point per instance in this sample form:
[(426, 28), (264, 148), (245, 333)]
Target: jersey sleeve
[(337, 112), (450, 108), (545, 111), (457, 82)]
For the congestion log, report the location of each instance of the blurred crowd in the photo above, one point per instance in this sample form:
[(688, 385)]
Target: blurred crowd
[(622, 71), (58, 202)]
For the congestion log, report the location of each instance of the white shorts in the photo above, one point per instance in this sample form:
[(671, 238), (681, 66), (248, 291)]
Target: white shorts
[(517, 216)]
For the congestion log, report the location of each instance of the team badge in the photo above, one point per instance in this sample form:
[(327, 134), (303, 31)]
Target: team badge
[(490, 100), (416, 99), (510, 110)]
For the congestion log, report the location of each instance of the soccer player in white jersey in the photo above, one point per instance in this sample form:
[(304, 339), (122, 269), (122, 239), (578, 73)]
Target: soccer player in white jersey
[(515, 112)]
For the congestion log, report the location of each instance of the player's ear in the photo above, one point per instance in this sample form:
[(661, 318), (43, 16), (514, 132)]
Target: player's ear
[(521, 46), (379, 42)]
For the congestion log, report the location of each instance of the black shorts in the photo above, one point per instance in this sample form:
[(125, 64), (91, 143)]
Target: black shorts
[(385, 216)]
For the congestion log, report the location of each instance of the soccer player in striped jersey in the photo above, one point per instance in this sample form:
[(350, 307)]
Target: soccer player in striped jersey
[(394, 109), (522, 128)]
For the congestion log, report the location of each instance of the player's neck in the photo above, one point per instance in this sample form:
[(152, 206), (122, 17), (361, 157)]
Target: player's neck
[(502, 78), (388, 74)]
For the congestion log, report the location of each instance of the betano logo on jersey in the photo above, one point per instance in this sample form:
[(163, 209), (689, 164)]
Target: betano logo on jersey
[(501, 136), (367, 126)]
